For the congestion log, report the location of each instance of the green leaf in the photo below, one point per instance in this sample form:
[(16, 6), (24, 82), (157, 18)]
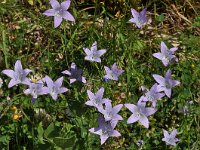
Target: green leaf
[(64, 142), (48, 132), (40, 131)]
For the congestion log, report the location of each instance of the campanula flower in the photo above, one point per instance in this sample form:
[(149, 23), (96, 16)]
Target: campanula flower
[(93, 54), (75, 74), (113, 73), (170, 139), (97, 99), (166, 83), (139, 18), (54, 88), (59, 11), (111, 113), (35, 89), (140, 113), (166, 55), (153, 95), (18, 75), (105, 130)]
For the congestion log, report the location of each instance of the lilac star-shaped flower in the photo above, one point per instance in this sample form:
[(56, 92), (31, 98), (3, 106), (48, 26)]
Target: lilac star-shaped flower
[(54, 88), (94, 55), (110, 113), (97, 99), (18, 75), (105, 130), (139, 18), (170, 139), (153, 95), (59, 12), (140, 113), (166, 83), (75, 74), (166, 55), (113, 73), (35, 89)]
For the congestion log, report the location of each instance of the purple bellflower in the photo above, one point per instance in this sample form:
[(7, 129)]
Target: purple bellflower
[(166, 55), (140, 113), (75, 74), (94, 55), (35, 89), (170, 139), (54, 88), (97, 99), (110, 113), (139, 17), (59, 12), (105, 130), (18, 75), (166, 83), (113, 73), (153, 95)]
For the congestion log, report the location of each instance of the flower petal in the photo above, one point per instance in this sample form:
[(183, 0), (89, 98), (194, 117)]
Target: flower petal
[(65, 5), (9, 73), (57, 21), (49, 12), (68, 16)]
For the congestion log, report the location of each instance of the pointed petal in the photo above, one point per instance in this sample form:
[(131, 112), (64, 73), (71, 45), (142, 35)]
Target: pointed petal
[(107, 70), (143, 12), (62, 90), (158, 55), (55, 4), (134, 13), (9, 73), (27, 71), (57, 21), (115, 133), (58, 82), (133, 118), (50, 12), (133, 108), (12, 83), (72, 81), (27, 91), (18, 66), (68, 16), (101, 52), (133, 20), (91, 95), (67, 72), (173, 133), (150, 111), (65, 5), (89, 103), (168, 74), (99, 93), (163, 47), (49, 81), (159, 79), (94, 46), (103, 138), (117, 108), (54, 96), (83, 79), (168, 92), (175, 83), (87, 51), (166, 134), (173, 49), (144, 121)]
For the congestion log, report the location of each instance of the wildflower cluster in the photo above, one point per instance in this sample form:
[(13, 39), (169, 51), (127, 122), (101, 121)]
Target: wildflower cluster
[(108, 116)]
